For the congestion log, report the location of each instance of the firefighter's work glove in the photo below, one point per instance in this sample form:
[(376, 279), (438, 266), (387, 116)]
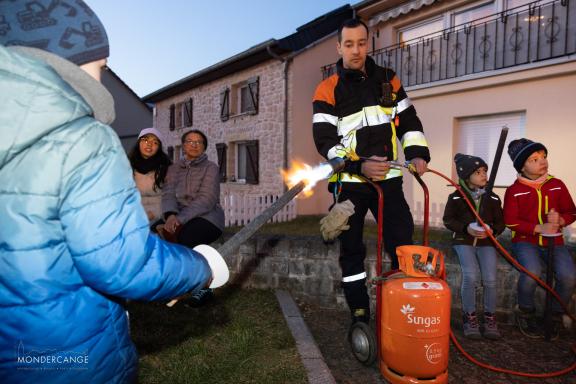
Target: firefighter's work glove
[(336, 221)]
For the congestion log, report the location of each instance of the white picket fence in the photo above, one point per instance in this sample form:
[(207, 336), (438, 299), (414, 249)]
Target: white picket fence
[(435, 215), (241, 209)]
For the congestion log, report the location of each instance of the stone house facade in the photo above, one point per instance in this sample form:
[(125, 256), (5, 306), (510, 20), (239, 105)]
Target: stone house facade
[(248, 106), (261, 127)]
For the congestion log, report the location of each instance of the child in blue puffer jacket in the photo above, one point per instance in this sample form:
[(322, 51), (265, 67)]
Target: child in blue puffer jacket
[(74, 237)]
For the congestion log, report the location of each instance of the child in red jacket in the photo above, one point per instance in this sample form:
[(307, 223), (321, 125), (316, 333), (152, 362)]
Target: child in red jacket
[(536, 205)]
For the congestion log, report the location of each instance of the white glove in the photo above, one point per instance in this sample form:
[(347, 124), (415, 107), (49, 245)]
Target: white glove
[(332, 225), (220, 272)]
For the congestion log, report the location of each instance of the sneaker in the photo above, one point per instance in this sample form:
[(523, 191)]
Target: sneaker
[(200, 297), (361, 314), (490, 328), (471, 326), (528, 323)]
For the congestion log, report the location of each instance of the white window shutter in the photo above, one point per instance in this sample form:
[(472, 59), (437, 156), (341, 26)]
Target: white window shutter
[(479, 136)]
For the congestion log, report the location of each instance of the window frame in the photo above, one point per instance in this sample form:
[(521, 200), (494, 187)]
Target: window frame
[(488, 128), (251, 163), (236, 100), (449, 17)]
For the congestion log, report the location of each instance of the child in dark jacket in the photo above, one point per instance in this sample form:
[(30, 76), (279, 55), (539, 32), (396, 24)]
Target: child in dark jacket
[(477, 256), (536, 208)]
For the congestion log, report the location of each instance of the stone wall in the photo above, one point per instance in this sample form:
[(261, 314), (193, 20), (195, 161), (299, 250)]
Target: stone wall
[(266, 126), (309, 270)]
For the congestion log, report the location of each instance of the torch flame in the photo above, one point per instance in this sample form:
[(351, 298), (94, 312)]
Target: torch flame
[(300, 171)]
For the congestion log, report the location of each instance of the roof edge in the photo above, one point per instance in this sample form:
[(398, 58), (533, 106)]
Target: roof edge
[(196, 78)]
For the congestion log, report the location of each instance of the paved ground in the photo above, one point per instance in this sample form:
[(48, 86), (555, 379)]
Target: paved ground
[(514, 351)]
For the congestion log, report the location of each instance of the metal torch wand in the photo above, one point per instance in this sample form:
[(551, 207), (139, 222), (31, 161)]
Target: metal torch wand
[(332, 166)]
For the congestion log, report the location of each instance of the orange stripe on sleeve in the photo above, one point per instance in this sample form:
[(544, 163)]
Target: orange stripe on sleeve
[(325, 90), (395, 84)]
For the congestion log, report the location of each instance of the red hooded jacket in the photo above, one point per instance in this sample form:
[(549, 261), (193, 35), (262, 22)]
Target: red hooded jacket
[(526, 206)]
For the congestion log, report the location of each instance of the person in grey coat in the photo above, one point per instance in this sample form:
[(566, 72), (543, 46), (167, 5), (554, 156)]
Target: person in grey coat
[(191, 199)]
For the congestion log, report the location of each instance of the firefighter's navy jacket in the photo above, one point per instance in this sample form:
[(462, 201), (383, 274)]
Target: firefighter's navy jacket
[(349, 117)]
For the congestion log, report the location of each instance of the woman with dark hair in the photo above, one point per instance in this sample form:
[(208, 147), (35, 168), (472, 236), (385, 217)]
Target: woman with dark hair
[(150, 166), (191, 199)]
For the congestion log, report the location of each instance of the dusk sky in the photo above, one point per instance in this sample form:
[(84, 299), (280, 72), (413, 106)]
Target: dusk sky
[(154, 43)]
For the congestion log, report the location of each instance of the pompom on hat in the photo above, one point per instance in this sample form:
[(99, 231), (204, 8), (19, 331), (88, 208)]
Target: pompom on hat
[(69, 29), (521, 149), (466, 165)]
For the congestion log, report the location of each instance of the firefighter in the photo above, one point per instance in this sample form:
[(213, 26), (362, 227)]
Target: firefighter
[(360, 113)]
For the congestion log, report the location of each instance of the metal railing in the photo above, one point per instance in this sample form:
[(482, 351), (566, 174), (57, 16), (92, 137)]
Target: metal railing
[(526, 34)]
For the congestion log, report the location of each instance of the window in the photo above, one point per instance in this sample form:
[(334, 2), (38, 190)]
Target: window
[(427, 29), (247, 103), (172, 117), (174, 153), (241, 99), (221, 150), (464, 15), (181, 114), (510, 4), (469, 15), (247, 162), (187, 109), (225, 104), (177, 153), (479, 136)]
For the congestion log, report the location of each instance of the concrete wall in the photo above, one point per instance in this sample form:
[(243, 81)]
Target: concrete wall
[(309, 269)]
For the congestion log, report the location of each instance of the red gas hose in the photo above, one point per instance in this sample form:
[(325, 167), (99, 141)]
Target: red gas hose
[(521, 268)]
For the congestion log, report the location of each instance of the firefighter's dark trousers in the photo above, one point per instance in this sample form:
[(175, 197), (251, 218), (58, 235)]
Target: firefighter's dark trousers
[(398, 227)]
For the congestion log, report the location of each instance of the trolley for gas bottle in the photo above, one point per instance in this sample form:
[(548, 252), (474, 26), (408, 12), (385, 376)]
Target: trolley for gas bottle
[(413, 328)]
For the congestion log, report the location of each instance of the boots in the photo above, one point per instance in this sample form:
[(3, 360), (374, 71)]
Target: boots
[(490, 328), (471, 326), (528, 323)]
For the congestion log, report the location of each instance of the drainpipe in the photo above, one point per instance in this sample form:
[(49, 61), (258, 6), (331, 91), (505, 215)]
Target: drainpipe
[(286, 61)]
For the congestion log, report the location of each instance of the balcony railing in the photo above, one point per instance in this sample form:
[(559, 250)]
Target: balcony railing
[(522, 35)]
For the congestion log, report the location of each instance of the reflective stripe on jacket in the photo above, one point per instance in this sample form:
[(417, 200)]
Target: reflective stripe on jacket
[(525, 207), (348, 117)]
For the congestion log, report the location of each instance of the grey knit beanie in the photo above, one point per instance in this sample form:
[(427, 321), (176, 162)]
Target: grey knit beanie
[(467, 165), (67, 28)]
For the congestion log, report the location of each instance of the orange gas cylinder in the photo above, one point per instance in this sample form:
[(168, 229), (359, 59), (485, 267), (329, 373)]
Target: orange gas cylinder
[(415, 319)]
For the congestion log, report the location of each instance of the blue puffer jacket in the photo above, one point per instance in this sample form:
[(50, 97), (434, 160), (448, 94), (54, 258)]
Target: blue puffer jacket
[(74, 237)]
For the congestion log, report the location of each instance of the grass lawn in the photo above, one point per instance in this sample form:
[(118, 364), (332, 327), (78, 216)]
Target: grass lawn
[(240, 337)]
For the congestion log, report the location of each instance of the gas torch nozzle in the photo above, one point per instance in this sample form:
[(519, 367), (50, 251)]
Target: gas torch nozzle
[(337, 164)]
